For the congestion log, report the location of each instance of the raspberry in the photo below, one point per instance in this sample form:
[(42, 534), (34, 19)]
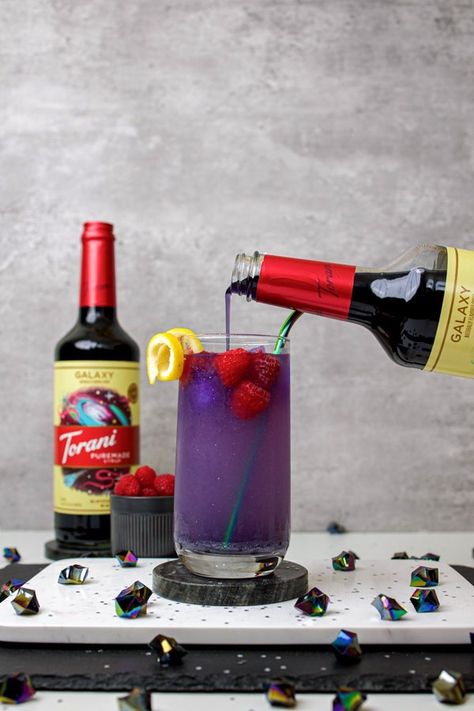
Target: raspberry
[(149, 491), (127, 485), (249, 400), (264, 368), (164, 485), (232, 366), (146, 476)]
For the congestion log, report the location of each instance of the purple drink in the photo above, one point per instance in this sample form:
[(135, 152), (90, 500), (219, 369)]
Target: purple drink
[(232, 499)]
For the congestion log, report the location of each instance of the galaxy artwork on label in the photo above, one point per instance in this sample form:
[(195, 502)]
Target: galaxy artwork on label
[(92, 407)]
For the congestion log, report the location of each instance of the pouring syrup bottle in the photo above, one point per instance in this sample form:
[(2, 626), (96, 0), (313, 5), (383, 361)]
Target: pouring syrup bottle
[(96, 406), (420, 307)]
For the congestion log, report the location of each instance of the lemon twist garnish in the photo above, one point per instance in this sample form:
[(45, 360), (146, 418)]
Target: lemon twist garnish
[(188, 339), (165, 353)]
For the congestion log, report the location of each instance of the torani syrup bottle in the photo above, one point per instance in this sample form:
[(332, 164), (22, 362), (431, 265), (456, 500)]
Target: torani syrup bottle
[(420, 308), (96, 406)]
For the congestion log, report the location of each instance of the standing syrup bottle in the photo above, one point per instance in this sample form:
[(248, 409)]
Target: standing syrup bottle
[(420, 308), (96, 406)]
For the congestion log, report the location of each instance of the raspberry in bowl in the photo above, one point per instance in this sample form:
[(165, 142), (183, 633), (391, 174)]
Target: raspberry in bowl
[(141, 512)]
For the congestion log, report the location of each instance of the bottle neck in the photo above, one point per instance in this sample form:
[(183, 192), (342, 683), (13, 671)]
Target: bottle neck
[(323, 288), (90, 315), (97, 292)]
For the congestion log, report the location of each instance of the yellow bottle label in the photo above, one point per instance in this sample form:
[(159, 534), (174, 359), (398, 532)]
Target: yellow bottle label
[(96, 435), (453, 347)]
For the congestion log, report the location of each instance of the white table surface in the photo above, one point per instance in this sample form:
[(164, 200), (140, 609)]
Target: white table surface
[(453, 547)]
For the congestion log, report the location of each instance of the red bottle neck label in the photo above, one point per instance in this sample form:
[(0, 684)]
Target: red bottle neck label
[(98, 265), (321, 288)]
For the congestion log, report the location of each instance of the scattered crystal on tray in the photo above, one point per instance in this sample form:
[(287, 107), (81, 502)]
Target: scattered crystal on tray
[(388, 608), (429, 556), (25, 602), (281, 693), (425, 600), (169, 652), (10, 587), (424, 577), (347, 648), (11, 554), (348, 699), (449, 687), (314, 603), (73, 575), (16, 689), (403, 555), (132, 600), (136, 700), (126, 559), (344, 562)]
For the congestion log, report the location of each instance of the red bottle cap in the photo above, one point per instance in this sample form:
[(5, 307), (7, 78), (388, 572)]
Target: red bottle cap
[(98, 267), (101, 230)]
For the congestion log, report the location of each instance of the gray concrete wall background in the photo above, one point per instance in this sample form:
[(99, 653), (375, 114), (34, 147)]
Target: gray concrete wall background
[(338, 129)]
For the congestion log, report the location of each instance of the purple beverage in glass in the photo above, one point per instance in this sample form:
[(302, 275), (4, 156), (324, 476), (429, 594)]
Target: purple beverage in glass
[(232, 498)]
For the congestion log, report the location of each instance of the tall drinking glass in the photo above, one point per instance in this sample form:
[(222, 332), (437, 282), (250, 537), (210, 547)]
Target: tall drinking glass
[(232, 497)]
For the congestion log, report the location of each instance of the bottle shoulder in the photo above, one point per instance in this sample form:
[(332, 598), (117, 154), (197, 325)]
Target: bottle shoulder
[(99, 341)]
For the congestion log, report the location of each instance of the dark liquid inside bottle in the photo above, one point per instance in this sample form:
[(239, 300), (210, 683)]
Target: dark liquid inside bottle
[(96, 336), (402, 309)]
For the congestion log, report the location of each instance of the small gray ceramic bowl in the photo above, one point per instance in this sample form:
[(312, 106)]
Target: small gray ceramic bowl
[(142, 524)]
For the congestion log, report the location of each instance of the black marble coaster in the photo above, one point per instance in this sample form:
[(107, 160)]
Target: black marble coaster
[(173, 581)]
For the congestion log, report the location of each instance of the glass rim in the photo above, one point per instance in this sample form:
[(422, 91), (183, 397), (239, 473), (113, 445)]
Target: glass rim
[(218, 336)]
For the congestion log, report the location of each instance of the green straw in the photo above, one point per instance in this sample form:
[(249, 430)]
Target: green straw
[(249, 464), (288, 324)]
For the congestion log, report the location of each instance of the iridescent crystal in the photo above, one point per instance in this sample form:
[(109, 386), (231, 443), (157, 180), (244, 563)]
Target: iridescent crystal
[(16, 689), (356, 557), (169, 652), (73, 575), (425, 600), (314, 603), (132, 600), (11, 554), (347, 648), (136, 700), (335, 527), (449, 687), (345, 561), (127, 559), (26, 602), (388, 608), (348, 699), (401, 555), (423, 577), (430, 556), (10, 587), (281, 693)]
